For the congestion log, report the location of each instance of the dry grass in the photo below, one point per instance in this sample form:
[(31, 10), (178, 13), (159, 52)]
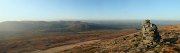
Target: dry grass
[(43, 41)]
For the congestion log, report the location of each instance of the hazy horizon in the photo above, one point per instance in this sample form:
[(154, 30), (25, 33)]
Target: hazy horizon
[(54, 10)]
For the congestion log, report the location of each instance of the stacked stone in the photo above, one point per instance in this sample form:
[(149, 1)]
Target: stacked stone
[(150, 34)]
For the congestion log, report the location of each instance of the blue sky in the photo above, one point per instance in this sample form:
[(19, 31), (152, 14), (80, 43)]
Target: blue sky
[(17, 10)]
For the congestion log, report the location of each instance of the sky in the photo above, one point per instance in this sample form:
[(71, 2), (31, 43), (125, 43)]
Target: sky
[(50, 10)]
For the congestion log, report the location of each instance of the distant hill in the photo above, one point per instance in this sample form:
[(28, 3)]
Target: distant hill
[(42, 26), (20, 27), (54, 26)]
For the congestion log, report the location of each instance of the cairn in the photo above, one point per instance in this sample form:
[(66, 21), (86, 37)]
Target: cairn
[(151, 36)]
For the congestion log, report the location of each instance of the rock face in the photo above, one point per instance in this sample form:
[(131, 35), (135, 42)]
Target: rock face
[(150, 34)]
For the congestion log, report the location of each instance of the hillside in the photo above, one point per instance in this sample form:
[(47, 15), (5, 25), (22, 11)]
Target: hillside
[(80, 37), (132, 43), (43, 41), (13, 29)]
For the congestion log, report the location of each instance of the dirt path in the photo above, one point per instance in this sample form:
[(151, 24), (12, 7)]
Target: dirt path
[(65, 47)]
